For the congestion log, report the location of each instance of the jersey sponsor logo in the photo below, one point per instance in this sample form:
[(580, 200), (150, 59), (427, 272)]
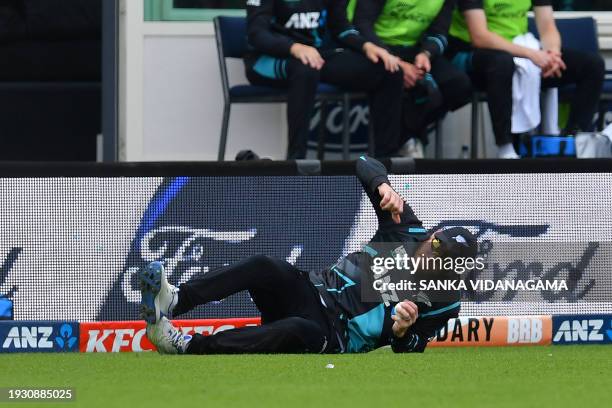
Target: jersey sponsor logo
[(303, 21), (495, 331), (413, 10), (508, 10), (499, 6), (115, 337), (401, 13), (35, 336), (582, 329), (403, 8)]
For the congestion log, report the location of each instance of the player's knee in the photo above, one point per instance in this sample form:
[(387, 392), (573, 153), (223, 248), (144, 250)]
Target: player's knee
[(373, 76), (297, 323), (458, 92), (596, 65), (463, 86), (380, 73), (396, 77), (262, 261), (503, 65), (309, 333), (305, 74)]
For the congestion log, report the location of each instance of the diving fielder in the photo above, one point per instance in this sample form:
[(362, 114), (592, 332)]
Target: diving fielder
[(314, 312)]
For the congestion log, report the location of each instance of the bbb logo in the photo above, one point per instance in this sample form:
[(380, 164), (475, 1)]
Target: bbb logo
[(525, 330), (38, 336), (582, 330)]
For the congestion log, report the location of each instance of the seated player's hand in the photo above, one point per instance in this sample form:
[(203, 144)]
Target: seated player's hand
[(308, 55), (556, 67), (406, 314), (375, 54), (391, 202), (422, 62), (541, 58), (411, 74)]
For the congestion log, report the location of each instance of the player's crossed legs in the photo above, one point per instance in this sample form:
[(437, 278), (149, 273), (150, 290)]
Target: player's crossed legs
[(158, 300)]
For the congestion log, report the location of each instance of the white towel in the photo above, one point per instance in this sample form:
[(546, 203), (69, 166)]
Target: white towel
[(607, 132), (526, 85)]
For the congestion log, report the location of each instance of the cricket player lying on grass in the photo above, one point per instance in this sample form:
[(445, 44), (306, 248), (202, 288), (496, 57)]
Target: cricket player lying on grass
[(313, 312)]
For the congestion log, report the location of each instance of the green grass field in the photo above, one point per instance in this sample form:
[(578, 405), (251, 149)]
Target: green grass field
[(563, 376)]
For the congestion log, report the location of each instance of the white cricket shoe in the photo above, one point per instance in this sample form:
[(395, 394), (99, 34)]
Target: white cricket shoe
[(167, 338), (413, 148), (507, 151), (158, 296)]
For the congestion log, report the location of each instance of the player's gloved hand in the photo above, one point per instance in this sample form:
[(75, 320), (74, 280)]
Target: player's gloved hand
[(406, 314), (391, 202), (308, 55)]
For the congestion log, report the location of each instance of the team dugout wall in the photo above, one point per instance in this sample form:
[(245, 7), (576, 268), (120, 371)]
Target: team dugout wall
[(73, 236)]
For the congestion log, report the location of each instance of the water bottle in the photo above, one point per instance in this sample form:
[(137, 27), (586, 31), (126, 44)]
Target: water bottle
[(465, 152)]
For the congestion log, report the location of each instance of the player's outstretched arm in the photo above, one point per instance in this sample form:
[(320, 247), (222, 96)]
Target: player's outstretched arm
[(387, 203), (391, 202)]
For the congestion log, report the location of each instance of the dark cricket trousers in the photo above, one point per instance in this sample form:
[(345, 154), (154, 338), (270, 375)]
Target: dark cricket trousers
[(492, 70), (454, 86), (346, 69), (293, 318)]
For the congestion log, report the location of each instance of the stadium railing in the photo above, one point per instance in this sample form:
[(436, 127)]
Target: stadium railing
[(402, 166)]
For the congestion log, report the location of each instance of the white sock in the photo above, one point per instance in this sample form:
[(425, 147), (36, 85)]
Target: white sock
[(507, 152)]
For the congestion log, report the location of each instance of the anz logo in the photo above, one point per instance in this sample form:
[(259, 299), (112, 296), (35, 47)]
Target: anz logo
[(34, 337), (302, 21), (584, 330), (24, 337)]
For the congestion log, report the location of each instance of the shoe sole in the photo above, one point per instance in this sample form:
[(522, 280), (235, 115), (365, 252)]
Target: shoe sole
[(149, 280)]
